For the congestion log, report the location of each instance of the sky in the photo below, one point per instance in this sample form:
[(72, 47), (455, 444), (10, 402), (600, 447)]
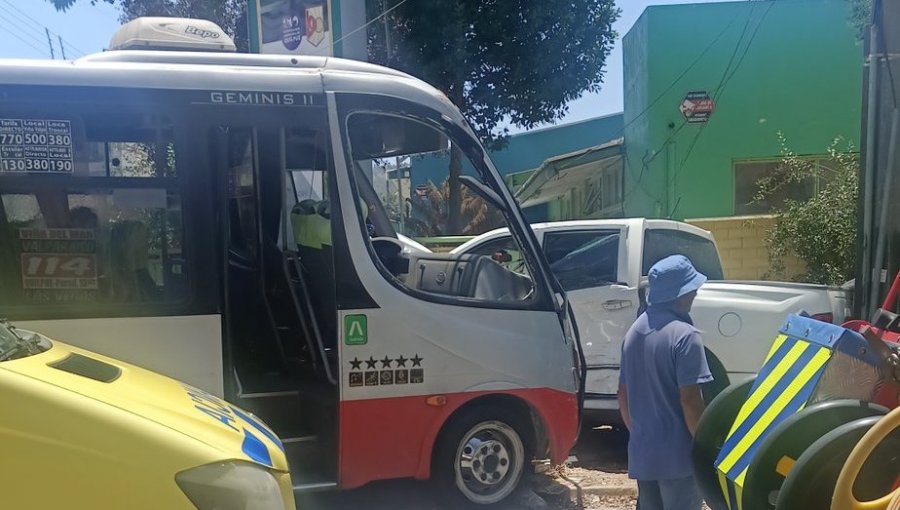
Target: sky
[(87, 28)]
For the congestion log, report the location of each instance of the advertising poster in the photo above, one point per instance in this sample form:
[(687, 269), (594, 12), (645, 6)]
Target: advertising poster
[(59, 265), (296, 27)]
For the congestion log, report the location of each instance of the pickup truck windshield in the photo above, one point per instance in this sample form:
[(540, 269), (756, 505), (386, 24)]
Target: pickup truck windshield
[(660, 243)]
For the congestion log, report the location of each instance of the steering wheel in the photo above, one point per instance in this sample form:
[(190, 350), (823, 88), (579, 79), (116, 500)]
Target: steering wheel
[(843, 498)]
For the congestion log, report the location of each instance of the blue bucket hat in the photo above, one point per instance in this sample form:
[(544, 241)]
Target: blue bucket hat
[(671, 278)]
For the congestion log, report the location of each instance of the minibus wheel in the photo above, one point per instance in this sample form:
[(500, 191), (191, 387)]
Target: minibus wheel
[(787, 442), (480, 458), (710, 436)]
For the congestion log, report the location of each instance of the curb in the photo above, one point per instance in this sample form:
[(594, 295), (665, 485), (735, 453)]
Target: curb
[(577, 492), (610, 490)]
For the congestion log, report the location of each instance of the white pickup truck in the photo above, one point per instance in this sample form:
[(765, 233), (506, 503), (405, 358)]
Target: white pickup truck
[(603, 266)]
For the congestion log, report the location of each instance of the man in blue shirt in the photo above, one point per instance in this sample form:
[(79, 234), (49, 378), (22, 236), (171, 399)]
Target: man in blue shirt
[(663, 365)]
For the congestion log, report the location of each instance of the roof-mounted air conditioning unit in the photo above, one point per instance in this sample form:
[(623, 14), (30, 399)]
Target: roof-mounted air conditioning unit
[(179, 34)]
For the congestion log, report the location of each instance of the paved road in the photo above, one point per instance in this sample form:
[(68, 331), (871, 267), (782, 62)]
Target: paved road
[(597, 449)]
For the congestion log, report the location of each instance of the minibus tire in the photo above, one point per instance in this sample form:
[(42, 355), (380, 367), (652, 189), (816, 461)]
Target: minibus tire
[(711, 431), (493, 439), (790, 439), (810, 483)]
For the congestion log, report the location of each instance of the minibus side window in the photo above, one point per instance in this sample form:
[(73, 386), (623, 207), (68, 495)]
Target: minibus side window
[(97, 220)]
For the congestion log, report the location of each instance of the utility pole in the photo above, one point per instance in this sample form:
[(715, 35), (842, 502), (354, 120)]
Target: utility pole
[(387, 32), (878, 257), (50, 42)]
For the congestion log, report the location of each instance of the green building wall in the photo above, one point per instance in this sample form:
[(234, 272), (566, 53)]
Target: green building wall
[(793, 66)]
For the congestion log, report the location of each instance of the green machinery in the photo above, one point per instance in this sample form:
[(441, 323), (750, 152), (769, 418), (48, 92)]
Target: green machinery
[(780, 440)]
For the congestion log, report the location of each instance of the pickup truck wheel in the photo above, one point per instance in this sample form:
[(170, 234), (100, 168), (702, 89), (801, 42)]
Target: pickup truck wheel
[(720, 378), (480, 458), (710, 436), (811, 481), (787, 442)]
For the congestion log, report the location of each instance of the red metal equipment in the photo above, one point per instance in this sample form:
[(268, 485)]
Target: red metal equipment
[(883, 333)]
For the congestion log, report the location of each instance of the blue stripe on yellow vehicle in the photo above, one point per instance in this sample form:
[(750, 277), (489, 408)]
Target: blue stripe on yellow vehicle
[(783, 387), (255, 423), (258, 440), (256, 449)]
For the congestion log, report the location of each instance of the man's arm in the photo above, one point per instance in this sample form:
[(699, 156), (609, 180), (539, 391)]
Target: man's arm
[(623, 406), (692, 405)]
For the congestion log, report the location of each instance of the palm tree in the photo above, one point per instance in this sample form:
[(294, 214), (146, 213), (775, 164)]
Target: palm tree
[(429, 213)]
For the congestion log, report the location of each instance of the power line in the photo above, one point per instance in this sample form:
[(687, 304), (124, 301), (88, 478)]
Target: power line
[(41, 25), (726, 78), (21, 28), (683, 73), (718, 93), (366, 25), (644, 160), (747, 47), (42, 51)]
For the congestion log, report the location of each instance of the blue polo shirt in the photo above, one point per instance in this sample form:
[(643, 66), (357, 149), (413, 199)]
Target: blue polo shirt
[(661, 353)]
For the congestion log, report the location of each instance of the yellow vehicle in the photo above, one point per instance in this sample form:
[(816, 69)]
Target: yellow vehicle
[(83, 431)]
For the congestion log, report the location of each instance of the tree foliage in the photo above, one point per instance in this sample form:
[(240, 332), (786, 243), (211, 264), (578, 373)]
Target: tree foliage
[(231, 15), (820, 231), (498, 61), (521, 61), (860, 16), (429, 214)]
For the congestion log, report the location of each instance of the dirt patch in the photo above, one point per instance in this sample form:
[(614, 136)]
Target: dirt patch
[(593, 477), (592, 502)]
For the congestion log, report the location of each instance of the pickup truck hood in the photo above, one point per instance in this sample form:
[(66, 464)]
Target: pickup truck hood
[(167, 402)]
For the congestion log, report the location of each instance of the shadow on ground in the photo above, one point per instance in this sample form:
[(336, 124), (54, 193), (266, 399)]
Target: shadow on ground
[(600, 448)]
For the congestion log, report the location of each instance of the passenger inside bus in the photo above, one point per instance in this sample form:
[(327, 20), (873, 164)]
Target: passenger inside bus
[(129, 263), (83, 217)]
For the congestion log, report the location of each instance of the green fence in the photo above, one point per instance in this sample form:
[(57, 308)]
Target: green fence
[(443, 243)]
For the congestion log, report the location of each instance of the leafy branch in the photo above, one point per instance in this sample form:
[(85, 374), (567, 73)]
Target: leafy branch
[(820, 231)]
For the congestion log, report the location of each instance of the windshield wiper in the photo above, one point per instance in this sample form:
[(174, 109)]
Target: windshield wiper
[(23, 346)]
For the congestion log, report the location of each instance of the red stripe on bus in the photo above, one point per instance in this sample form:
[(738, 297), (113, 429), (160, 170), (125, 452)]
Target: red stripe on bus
[(389, 438)]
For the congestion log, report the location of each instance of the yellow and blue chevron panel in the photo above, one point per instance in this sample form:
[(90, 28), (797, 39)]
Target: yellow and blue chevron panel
[(783, 387)]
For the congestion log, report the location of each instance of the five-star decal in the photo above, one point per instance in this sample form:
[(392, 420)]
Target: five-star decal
[(386, 362)]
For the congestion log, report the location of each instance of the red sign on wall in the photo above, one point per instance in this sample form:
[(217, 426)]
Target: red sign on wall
[(697, 106)]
